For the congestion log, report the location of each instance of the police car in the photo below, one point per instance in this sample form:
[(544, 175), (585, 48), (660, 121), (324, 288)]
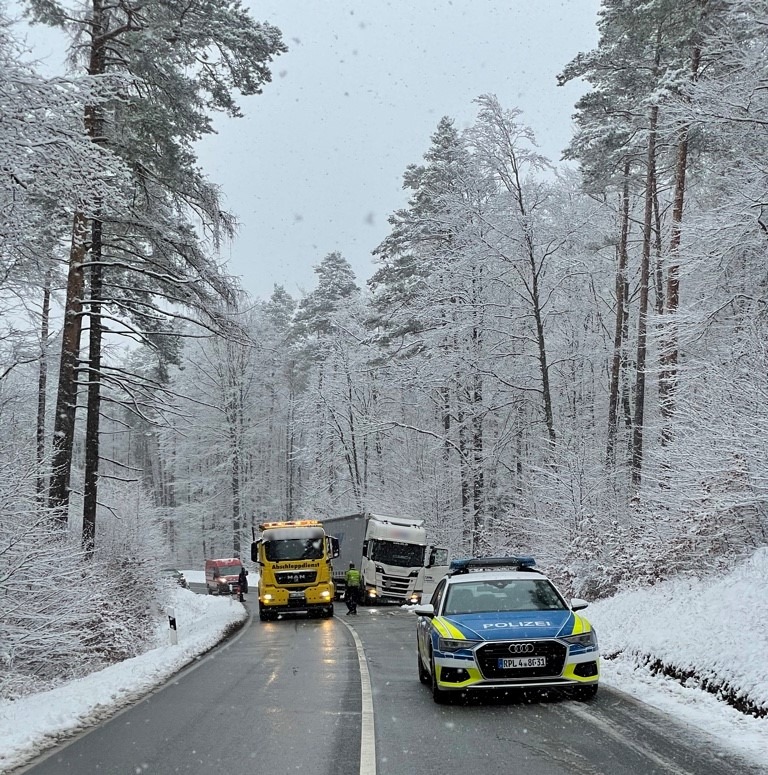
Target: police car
[(497, 623)]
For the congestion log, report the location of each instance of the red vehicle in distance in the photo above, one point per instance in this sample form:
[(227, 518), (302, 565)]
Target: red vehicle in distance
[(221, 575)]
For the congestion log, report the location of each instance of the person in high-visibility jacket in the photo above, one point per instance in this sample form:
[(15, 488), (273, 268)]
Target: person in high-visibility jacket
[(352, 590)]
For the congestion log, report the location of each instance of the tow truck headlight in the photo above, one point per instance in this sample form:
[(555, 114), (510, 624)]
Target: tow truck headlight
[(585, 639), (379, 569), (325, 593), (267, 596), (449, 644)]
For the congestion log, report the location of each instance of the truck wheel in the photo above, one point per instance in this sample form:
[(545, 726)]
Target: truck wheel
[(264, 614), (328, 612)]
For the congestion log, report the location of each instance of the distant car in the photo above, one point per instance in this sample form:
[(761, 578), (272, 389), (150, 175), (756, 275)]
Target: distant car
[(221, 575), (175, 575), (496, 623)]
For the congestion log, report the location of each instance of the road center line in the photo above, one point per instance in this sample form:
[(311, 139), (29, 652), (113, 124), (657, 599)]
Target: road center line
[(367, 730)]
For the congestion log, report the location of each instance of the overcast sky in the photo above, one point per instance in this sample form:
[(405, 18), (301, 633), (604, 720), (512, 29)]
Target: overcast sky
[(316, 164)]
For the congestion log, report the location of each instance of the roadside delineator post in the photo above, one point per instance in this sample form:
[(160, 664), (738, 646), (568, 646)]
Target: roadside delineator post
[(172, 633)]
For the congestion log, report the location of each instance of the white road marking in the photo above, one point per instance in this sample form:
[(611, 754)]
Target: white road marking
[(367, 730)]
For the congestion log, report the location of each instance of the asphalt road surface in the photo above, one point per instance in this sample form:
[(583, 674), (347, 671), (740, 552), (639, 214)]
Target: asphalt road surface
[(289, 697)]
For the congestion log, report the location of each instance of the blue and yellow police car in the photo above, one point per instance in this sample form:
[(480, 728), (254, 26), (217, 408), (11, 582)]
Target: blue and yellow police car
[(499, 623)]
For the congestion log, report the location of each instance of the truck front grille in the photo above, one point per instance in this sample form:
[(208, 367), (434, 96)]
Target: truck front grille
[(395, 586), (296, 577)]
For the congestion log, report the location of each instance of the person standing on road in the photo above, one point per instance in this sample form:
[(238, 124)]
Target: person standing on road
[(352, 589), (242, 581)]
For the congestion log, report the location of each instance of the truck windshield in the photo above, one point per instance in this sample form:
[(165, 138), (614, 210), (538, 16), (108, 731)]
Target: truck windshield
[(402, 555), (294, 549)]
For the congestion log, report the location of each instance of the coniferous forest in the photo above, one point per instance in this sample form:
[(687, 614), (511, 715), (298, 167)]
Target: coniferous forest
[(561, 358)]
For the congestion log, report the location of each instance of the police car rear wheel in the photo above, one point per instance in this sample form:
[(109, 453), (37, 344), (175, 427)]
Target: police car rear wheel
[(423, 672)]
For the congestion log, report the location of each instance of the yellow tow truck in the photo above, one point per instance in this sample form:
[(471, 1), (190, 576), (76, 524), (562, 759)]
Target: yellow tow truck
[(294, 560)]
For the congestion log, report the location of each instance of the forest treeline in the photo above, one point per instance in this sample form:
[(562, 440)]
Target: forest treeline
[(566, 359)]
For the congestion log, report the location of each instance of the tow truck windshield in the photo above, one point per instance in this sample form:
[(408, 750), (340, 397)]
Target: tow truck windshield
[(285, 544)]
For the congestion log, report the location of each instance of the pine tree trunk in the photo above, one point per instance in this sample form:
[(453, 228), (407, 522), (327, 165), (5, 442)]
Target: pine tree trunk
[(669, 354), (42, 384), (642, 324), (90, 494), (66, 397), (618, 332)]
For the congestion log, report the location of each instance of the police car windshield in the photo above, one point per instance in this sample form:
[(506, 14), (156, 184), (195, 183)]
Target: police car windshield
[(474, 597)]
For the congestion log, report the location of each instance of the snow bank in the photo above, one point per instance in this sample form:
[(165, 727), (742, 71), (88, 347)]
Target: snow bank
[(708, 635), (33, 723)]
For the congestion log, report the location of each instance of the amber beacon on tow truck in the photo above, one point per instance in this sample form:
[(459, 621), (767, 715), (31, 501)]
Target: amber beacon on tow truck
[(294, 560)]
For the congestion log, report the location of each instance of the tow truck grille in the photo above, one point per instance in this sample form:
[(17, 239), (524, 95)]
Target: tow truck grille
[(296, 577), (489, 654)]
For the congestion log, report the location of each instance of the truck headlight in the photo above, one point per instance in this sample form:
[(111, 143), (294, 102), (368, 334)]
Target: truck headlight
[(379, 569), (585, 639), (325, 593), (449, 644), (267, 596)]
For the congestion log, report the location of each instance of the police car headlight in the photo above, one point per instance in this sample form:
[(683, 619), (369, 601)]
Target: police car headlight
[(449, 644), (585, 639)]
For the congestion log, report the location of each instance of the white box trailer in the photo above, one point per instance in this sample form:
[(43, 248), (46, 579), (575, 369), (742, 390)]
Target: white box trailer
[(389, 551)]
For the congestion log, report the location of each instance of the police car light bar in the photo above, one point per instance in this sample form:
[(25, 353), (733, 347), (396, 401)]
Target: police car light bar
[(516, 563)]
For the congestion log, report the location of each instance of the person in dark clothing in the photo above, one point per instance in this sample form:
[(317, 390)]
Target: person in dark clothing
[(242, 580), (352, 589)]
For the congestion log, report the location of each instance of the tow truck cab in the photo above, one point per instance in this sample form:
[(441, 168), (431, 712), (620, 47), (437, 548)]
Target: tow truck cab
[(294, 560)]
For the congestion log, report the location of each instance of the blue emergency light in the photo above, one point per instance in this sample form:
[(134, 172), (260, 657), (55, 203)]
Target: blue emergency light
[(521, 562)]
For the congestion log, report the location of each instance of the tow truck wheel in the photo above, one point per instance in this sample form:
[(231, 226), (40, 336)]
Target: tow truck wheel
[(328, 612), (423, 672), (438, 695), (264, 614)]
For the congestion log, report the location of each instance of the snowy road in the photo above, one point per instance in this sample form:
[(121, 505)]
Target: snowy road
[(285, 697)]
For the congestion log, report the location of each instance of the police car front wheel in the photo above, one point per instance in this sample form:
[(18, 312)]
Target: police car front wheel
[(438, 695), (584, 693)]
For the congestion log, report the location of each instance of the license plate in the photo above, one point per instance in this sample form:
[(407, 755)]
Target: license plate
[(296, 595), (516, 662)]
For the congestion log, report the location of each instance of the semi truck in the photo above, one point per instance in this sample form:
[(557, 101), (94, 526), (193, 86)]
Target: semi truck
[(392, 554), (294, 560)]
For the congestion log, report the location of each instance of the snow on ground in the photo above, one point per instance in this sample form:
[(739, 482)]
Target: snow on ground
[(715, 629), (32, 724)]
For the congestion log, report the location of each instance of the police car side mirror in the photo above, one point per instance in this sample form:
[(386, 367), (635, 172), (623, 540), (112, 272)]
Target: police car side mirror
[(577, 604), (427, 610)]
